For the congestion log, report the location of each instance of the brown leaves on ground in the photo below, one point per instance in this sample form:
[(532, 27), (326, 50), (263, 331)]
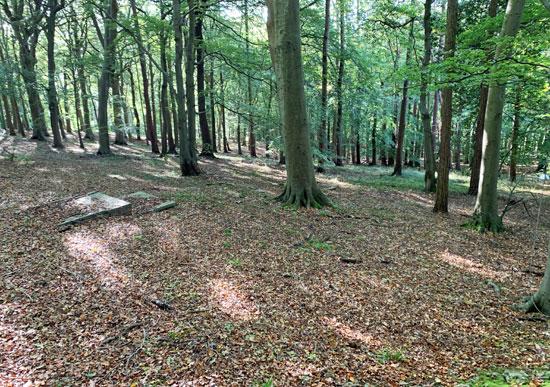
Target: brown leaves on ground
[(255, 292)]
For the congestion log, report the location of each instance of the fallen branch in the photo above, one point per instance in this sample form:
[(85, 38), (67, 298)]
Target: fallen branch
[(124, 332)]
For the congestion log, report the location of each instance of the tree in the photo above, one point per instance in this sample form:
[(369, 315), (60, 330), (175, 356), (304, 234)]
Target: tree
[(283, 27), (109, 47), (26, 24), (480, 122), (486, 217), (188, 161), (429, 157), (207, 146), (324, 80), (151, 131), (442, 190)]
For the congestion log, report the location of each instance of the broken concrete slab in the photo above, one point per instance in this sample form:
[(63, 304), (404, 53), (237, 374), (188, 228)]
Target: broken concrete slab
[(98, 205), (164, 206), (140, 195)]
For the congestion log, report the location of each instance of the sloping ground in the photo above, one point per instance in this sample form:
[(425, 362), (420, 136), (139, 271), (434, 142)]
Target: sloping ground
[(246, 292)]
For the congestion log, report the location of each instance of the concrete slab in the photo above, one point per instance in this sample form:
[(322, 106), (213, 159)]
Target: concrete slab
[(140, 195), (97, 205), (164, 206)]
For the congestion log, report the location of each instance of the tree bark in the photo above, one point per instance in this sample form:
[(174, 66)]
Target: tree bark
[(486, 216), (480, 122), (189, 80), (207, 147), (252, 138), (188, 164), (212, 108), (54, 7), (150, 130), (515, 135), (339, 162), (429, 156), (105, 79), (373, 140), (283, 27), (324, 82), (442, 189)]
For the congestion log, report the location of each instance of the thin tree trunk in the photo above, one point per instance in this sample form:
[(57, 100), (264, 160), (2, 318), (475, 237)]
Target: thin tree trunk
[(480, 122), (442, 189), (150, 130), (189, 80), (207, 147), (105, 79), (54, 7), (373, 140), (252, 138), (515, 135), (429, 156), (212, 109), (134, 105), (324, 82)]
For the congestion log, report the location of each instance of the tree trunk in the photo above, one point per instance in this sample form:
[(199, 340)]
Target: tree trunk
[(207, 148), (324, 82), (188, 164), (458, 148), (339, 162), (9, 122), (212, 109), (52, 92), (252, 138), (88, 133), (429, 156), (150, 130), (283, 27), (442, 190), (105, 79), (515, 135), (373, 140), (480, 123), (398, 168), (134, 105), (117, 102), (164, 104), (189, 80), (486, 216)]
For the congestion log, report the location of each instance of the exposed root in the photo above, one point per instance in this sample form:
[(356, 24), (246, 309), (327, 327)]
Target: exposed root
[(535, 304), (304, 197), (189, 169)]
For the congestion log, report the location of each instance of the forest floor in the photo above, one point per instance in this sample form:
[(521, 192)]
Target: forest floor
[(254, 294)]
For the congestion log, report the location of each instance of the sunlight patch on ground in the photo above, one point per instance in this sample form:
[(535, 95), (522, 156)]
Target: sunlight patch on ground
[(15, 341), (349, 333), (231, 300), (93, 252), (470, 266), (301, 370), (335, 182)]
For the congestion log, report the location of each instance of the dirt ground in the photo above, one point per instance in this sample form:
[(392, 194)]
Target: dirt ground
[(229, 288)]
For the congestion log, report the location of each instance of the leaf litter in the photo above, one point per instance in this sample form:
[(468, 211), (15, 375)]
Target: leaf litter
[(253, 292)]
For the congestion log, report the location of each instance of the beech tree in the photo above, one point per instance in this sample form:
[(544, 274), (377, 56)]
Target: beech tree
[(486, 216), (283, 26)]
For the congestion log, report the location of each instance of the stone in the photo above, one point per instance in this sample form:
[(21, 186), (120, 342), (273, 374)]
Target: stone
[(164, 206), (98, 204)]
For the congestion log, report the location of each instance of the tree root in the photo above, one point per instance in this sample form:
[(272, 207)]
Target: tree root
[(534, 304), (189, 168), (304, 197)]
